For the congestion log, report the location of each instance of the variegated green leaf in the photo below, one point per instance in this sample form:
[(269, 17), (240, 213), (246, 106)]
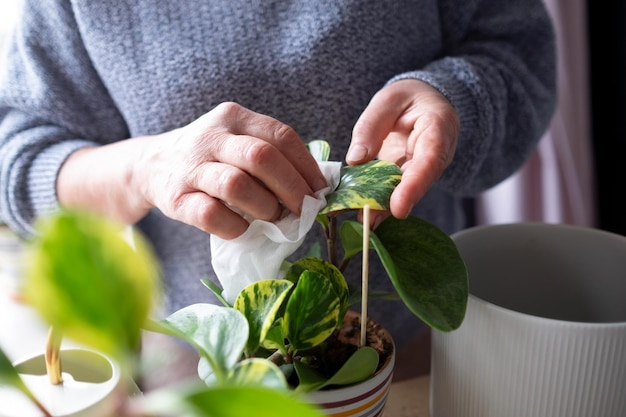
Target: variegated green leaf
[(368, 184), (320, 149), (85, 279), (260, 302), (275, 337), (219, 333), (330, 271), (258, 372), (313, 311)]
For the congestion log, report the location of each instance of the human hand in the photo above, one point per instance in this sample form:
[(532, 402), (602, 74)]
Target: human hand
[(228, 165), (413, 125), (229, 162)]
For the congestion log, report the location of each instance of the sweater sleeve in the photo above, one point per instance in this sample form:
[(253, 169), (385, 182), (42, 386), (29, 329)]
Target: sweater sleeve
[(52, 103), (499, 72)]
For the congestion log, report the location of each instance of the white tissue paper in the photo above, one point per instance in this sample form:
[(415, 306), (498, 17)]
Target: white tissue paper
[(259, 252)]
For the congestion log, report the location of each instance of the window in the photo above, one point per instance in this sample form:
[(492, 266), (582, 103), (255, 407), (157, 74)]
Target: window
[(8, 13)]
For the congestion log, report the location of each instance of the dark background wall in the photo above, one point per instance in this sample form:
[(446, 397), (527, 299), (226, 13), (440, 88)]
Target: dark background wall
[(607, 47)]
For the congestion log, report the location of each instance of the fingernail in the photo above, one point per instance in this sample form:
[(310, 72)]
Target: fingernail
[(356, 153)]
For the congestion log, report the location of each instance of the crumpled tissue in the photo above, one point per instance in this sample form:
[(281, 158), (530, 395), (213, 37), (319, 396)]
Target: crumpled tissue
[(259, 252)]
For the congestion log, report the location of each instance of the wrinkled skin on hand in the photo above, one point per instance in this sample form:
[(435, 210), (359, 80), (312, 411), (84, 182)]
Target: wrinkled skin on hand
[(228, 164), (231, 158), (413, 125)]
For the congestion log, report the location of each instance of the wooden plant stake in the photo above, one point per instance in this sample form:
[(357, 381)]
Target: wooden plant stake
[(365, 272), (53, 356)]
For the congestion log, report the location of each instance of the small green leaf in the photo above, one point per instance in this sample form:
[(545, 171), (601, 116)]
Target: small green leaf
[(275, 337), (368, 184), (360, 366), (87, 281), (227, 401), (351, 236), (216, 290), (10, 377), (231, 401), (258, 372), (313, 311), (315, 251), (260, 302), (219, 333), (320, 149)]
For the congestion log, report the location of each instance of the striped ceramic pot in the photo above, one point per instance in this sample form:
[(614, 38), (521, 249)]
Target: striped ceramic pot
[(364, 399)]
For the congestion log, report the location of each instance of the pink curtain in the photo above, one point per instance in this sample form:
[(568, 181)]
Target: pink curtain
[(556, 185)]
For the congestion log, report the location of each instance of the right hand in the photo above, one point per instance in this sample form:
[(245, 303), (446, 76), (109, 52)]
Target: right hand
[(229, 161)]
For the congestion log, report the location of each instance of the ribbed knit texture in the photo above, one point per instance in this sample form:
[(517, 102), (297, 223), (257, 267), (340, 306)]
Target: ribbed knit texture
[(92, 72)]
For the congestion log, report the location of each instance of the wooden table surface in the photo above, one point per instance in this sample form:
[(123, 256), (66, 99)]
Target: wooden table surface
[(409, 398)]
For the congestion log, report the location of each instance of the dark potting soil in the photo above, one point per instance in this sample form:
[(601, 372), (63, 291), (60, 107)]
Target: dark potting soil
[(345, 341)]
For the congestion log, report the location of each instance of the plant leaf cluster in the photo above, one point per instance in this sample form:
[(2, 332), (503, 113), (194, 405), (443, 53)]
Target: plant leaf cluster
[(89, 283)]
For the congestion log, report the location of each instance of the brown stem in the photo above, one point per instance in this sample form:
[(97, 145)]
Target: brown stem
[(344, 264), (330, 239), (41, 408), (277, 358), (53, 356)]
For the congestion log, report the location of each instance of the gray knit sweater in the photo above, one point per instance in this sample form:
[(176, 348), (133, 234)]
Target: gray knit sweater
[(83, 72)]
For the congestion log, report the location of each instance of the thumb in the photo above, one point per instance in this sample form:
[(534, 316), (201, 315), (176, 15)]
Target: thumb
[(370, 130)]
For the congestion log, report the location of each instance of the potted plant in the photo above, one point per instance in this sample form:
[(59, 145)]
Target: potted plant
[(276, 337)]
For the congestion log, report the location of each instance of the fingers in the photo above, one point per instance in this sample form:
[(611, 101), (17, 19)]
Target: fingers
[(260, 166), (227, 167), (372, 128), (210, 215), (413, 125), (281, 137), (430, 149), (238, 190)]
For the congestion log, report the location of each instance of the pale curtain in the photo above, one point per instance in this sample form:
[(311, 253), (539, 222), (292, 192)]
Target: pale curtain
[(556, 185)]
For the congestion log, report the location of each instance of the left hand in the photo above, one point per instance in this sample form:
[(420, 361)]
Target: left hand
[(413, 125)]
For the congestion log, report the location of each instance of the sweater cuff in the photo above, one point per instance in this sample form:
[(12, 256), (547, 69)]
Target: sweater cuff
[(452, 77), (43, 175)]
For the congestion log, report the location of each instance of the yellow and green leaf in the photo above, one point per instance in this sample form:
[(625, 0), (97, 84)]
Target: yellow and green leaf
[(322, 266), (368, 184), (258, 372), (320, 149), (85, 279), (260, 302), (313, 311)]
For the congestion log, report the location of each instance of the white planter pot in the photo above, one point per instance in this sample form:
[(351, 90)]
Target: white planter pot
[(92, 386), (545, 330)]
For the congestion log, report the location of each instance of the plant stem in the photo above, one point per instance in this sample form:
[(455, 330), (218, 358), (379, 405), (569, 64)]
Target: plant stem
[(344, 264), (41, 408), (53, 356), (277, 358), (332, 236)]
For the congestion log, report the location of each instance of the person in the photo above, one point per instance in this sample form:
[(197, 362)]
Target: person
[(177, 117)]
